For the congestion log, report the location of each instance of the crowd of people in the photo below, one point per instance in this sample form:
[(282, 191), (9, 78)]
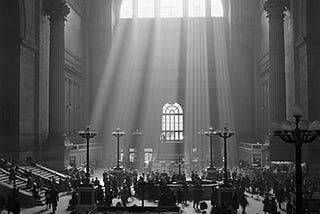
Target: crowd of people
[(273, 187), (34, 183)]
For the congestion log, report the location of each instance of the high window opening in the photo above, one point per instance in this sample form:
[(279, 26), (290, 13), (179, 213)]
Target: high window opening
[(126, 11), (132, 155), (216, 8), (197, 8), (145, 8), (148, 155), (172, 122), (169, 8)]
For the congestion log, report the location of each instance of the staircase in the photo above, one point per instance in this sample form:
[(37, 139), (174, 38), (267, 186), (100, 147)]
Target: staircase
[(44, 172), (41, 172), (47, 175), (21, 183)]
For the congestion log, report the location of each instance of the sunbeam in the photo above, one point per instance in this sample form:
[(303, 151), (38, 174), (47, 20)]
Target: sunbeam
[(159, 60)]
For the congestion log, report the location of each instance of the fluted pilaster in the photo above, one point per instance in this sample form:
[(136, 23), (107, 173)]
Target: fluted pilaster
[(57, 11), (276, 12)]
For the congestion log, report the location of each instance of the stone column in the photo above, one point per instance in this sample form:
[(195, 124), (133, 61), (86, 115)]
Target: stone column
[(57, 11), (275, 12), (277, 89)]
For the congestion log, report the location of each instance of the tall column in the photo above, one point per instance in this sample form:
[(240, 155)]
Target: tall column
[(57, 11), (277, 89), (275, 12)]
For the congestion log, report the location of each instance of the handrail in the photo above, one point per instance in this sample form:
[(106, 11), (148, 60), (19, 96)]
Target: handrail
[(52, 171), (17, 176), (20, 190), (47, 169)]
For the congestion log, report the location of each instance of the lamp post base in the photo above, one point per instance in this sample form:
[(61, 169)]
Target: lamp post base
[(212, 173), (86, 199), (210, 168), (118, 169)]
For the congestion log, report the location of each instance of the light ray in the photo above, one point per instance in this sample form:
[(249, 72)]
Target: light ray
[(226, 113)]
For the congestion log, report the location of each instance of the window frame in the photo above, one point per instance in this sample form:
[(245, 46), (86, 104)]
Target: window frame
[(172, 123), (213, 9)]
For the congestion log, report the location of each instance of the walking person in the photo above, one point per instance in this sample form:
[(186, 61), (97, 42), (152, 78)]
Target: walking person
[(14, 203), (243, 203), (48, 198), (289, 206), (2, 203), (197, 196), (54, 199), (267, 205), (274, 206), (179, 197)]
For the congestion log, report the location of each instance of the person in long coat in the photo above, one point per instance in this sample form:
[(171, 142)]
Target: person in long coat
[(197, 196), (54, 199)]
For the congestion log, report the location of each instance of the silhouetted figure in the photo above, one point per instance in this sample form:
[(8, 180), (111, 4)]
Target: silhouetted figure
[(243, 203), (13, 203), (197, 196), (179, 194), (108, 198), (2, 203), (273, 206), (54, 199), (289, 206), (35, 192), (96, 182), (99, 195), (12, 174), (48, 198), (267, 205)]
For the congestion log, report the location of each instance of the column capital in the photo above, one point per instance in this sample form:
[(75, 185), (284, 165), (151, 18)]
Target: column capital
[(276, 8), (56, 10)]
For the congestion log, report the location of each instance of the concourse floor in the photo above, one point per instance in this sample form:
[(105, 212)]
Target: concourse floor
[(255, 204)]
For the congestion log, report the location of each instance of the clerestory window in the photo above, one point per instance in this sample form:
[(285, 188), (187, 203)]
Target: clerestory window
[(172, 123), (169, 8)]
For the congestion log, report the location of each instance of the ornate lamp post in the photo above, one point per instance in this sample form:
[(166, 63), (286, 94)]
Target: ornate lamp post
[(87, 134), (297, 133), (225, 134), (118, 134), (179, 162), (210, 134)]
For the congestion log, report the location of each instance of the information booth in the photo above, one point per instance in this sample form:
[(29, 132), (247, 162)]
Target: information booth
[(228, 198), (86, 199)]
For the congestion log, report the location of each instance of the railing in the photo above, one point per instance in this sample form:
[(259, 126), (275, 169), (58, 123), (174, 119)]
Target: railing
[(134, 209), (83, 146), (47, 169), (16, 176)]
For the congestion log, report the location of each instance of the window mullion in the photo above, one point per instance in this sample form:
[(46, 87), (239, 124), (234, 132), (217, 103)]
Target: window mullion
[(208, 8), (135, 9), (157, 8)]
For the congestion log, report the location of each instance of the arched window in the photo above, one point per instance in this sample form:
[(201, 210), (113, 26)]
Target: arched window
[(216, 8), (172, 123)]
